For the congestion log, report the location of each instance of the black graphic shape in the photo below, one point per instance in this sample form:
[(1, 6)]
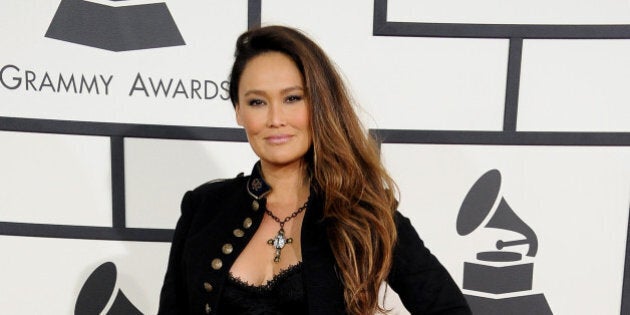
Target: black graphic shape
[(98, 290), (383, 27), (498, 272), (497, 280), (115, 28), (534, 304), (478, 204)]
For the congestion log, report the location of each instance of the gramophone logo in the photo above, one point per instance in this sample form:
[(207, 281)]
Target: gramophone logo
[(97, 295), (117, 26), (503, 278)]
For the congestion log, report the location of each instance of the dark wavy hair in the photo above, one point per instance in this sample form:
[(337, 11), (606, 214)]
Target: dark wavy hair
[(343, 164)]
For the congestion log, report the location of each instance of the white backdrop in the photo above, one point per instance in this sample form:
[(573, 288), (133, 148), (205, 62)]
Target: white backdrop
[(94, 172)]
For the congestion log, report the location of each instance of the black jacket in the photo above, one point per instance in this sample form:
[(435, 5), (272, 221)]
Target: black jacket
[(219, 218)]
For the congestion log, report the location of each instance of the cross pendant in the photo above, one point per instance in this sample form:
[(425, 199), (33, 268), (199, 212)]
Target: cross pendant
[(278, 243)]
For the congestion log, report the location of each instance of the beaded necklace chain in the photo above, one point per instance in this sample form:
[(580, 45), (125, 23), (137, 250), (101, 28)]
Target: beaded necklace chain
[(279, 240)]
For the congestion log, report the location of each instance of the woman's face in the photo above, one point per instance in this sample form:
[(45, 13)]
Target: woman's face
[(273, 109)]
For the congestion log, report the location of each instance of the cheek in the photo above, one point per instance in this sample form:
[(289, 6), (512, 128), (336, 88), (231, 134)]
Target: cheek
[(305, 122), (238, 114), (303, 118), (306, 128), (250, 122)]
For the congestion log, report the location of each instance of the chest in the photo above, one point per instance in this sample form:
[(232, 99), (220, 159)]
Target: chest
[(215, 243)]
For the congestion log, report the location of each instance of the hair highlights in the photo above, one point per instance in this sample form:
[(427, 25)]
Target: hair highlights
[(359, 195)]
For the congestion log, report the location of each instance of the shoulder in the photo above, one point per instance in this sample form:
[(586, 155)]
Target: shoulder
[(403, 224), (224, 189), (421, 281), (220, 185), (409, 250)]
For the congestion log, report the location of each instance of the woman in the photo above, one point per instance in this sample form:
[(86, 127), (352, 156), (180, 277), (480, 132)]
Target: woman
[(314, 229)]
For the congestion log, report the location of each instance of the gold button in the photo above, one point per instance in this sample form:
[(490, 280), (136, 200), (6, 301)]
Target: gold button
[(217, 264), (239, 233), (227, 248), (247, 223), (208, 309), (255, 205), (207, 286)]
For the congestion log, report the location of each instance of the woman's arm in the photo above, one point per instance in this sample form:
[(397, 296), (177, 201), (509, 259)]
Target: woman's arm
[(423, 284), (174, 297)]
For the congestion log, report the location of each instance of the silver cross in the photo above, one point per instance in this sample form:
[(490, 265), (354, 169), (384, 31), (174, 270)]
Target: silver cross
[(278, 243)]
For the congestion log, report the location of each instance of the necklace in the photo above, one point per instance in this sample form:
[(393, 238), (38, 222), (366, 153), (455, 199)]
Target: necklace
[(280, 240)]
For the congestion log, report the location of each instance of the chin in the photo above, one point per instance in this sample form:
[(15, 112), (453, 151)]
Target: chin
[(284, 161)]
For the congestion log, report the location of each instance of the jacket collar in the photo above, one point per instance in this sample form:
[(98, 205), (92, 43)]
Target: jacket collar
[(256, 185)]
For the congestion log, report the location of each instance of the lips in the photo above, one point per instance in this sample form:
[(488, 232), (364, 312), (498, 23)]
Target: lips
[(278, 139)]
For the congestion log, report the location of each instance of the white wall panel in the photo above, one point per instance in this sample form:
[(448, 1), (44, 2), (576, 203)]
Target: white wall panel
[(510, 12), (209, 29), (576, 200), (44, 276), (159, 172), (405, 82), (55, 179), (575, 85)]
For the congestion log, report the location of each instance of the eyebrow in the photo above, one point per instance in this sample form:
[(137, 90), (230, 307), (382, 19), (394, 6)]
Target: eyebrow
[(283, 91)]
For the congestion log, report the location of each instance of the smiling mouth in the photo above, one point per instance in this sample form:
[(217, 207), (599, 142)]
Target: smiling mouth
[(279, 139)]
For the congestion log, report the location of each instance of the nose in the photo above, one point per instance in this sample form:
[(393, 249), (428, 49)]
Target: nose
[(275, 116)]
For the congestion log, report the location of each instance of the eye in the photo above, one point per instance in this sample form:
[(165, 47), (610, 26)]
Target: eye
[(293, 98), (255, 102)]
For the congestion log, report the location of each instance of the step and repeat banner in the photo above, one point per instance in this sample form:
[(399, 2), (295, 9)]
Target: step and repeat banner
[(506, 126)]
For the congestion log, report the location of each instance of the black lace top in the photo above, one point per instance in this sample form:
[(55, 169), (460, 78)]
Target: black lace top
[(284, 294)]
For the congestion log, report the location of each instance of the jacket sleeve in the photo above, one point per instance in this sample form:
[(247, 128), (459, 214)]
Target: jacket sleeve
[(174, 296), (422, 283)]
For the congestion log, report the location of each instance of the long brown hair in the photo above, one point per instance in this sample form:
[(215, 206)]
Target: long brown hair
[(343, 163)]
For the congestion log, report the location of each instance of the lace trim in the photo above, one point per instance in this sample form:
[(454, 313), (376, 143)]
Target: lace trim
[(270, 284)]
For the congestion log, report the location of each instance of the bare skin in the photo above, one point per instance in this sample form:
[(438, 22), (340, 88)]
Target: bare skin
[(274, 112)]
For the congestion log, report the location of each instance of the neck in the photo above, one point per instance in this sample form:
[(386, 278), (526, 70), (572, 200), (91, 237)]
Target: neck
[(288, 182)]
